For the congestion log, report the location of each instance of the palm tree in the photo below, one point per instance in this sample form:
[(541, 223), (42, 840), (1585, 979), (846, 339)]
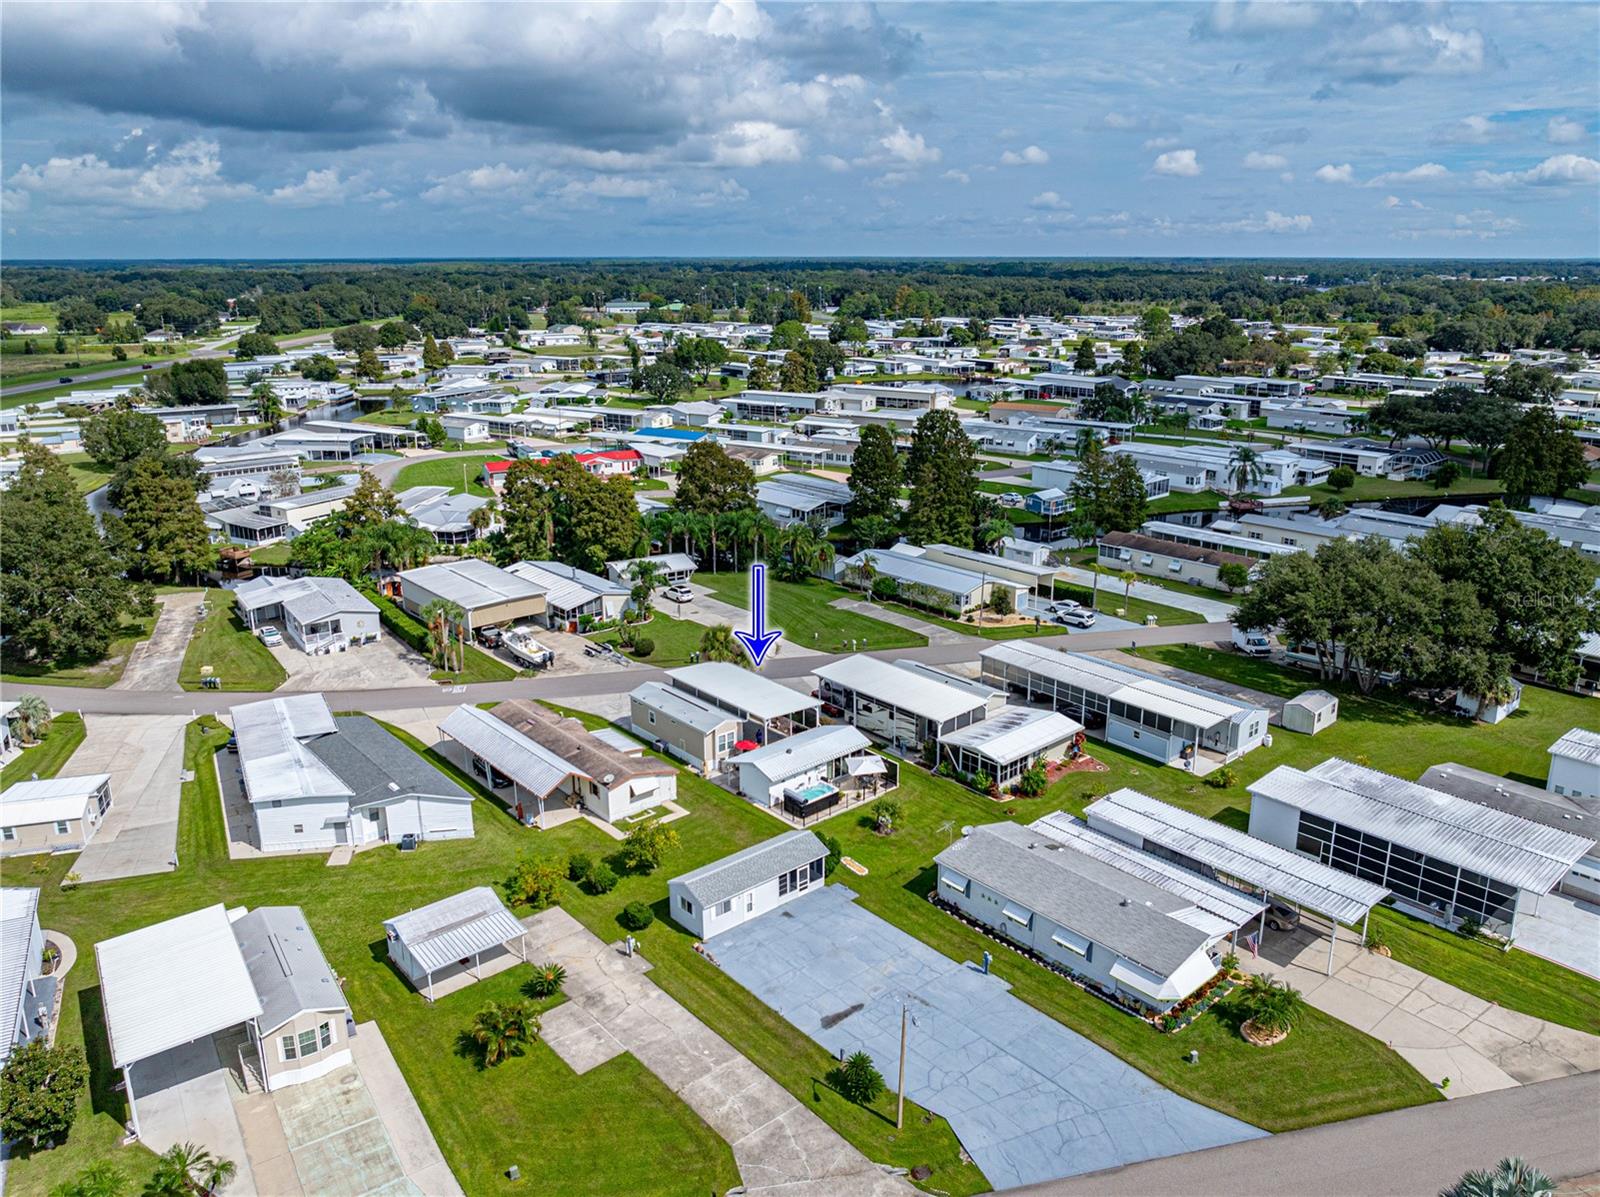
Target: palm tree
[(646, 576), (445, 634), (482, 519), (762, 533), (33, 713), (1088, 441), (102, 1179), (739, 528), (1127, 577), (268, 406), (991, 532), (185, 1168), (1511, 1177), (1096, 569), (806, 551), (1245, 468), (718, 644), (501, 1029), (1271, 1007)]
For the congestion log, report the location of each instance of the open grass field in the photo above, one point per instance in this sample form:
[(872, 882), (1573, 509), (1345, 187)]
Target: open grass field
[(389, 417), (803, 611), (46, 758), (674, 639), (1112, 598), (96, 674), (231, 649), (1380, 489), (448, 471)]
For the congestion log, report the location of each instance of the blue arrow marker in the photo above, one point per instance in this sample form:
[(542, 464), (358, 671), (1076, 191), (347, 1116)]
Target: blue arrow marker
[(758, 641)]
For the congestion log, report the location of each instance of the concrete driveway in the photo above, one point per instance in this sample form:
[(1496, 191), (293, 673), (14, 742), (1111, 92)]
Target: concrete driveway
[(386, 662), (185, 1095), (1029, 1099), (144, 755), (1565, 930), (1441, 1031), (154, 663)]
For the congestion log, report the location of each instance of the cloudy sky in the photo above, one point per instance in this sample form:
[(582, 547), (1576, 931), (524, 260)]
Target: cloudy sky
[(281, 130)]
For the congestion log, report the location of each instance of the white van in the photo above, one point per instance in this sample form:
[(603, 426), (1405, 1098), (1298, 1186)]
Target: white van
[(1252, 641)]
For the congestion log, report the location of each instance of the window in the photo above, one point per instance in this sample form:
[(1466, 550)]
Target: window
[(325, 1032), (308, 1043), (288, 1047), (62, 827), (685, 905), (8, 833), (652, 717), (725, 906), (816, 869), (299, 828)]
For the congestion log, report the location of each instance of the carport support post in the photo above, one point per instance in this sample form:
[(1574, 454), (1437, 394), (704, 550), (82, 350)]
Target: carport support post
[(1332, 941), (1364, 919), (133, 1108)]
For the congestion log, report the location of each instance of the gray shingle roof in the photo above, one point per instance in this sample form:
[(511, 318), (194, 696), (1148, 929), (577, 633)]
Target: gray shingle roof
[(286, 965), (377, 767), (1129, 916), (749, 867)]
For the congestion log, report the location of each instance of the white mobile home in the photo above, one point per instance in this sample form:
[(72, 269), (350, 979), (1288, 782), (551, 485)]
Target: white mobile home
[(897, 703), (317, 614), (27, 995), (57, 814), (816, 758), (747, 884)]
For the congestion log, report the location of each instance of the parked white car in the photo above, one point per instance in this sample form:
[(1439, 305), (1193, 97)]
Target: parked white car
[(1081, 617), (270, 636), (678, 593)]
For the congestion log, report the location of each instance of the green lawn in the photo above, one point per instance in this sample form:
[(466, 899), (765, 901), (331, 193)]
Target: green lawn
[(1206, 500), (390, 417), (231, 649), (272, 554), (448, 471), (802, 610), (1379, 489), (48, 756), (96, 674), (1112, 599), (674, 639), (1325, 1071), (1008, 487)]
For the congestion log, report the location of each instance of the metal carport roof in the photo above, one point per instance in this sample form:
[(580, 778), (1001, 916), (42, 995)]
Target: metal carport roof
[(442, 933), (1343, 896), (530, 764)]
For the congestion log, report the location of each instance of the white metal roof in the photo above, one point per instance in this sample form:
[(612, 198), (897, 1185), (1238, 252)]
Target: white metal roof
[(783, 759), (564, 586), (1503, 847), (451, 929), (172, 983), (1014, 733), (682, 706), (19, 911), (1232, 853), (905, 689), (527, 762), (947, 579), (1218, 908), (672, 563), (1578, 745), (471, 583), (741, 690), (307, 599), (276, 763), (750, 867), (1187, 704), (49, 800)]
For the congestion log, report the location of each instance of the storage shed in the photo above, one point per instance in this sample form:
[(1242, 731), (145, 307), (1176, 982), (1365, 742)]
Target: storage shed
[(1311, 712), (750, 882)]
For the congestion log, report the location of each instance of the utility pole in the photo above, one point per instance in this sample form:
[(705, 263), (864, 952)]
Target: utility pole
[(900, 1106)]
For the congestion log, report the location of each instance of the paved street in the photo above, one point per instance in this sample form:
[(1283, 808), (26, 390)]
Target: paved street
[(69, 698), (1406, 1153)]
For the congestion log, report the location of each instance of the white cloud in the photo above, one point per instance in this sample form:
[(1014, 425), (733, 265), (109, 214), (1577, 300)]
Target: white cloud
[(1480, 224), (1028, 156), (1255, 160), (479, 182), (1121, 120), (910, 148), (1562, 130), (1329, 173), (1558, 171), (1277, 222), (321, 187), (1469, 130), (1391, 201), (957, 176), (1048, 201), (610, 187), (1428, 172), (753, 143), (1160, 143), (834, 163), (186, 180), (1181, 163)]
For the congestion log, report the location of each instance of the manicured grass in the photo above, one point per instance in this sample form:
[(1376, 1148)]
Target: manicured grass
[(802, 610), (1018, 631), (447, 471), (231, 649), (87, 474), (1136, 610), (95, 674), (272, 554), (615, 1129), (390, 417), (1206, 500), (674, 639), (1378, 489), (1325, 1071), (48, 756), (1009, 487)]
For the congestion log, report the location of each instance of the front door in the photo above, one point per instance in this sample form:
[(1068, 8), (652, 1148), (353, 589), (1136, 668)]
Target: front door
[(341, 833)]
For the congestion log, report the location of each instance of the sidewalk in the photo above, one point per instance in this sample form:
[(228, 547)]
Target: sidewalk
[(900, 619), (613, 1007)]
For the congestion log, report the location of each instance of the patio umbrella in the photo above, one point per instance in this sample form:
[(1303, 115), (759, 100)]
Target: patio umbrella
[(865, 766), (746, 746)]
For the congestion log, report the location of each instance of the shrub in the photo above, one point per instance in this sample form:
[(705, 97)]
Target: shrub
[(859, 1079), (548, 980), (39, 1094), (578, 866), (643, 646), (502, 1028), (1000, 602), (1342, 478), (1377, 937), (646, 846), (636, 916), (602, 879), (534, 882), (1271, 1005), (1221, 779), (1447, 475), (1033, 781), (885, 814), (1230, 962), (835, 853), (884, 587)]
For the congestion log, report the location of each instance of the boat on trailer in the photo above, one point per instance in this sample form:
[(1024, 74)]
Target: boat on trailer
[(520, 643)]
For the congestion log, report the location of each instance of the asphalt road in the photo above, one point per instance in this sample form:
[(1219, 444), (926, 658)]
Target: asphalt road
[(1554, 1125), (605, 679)]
